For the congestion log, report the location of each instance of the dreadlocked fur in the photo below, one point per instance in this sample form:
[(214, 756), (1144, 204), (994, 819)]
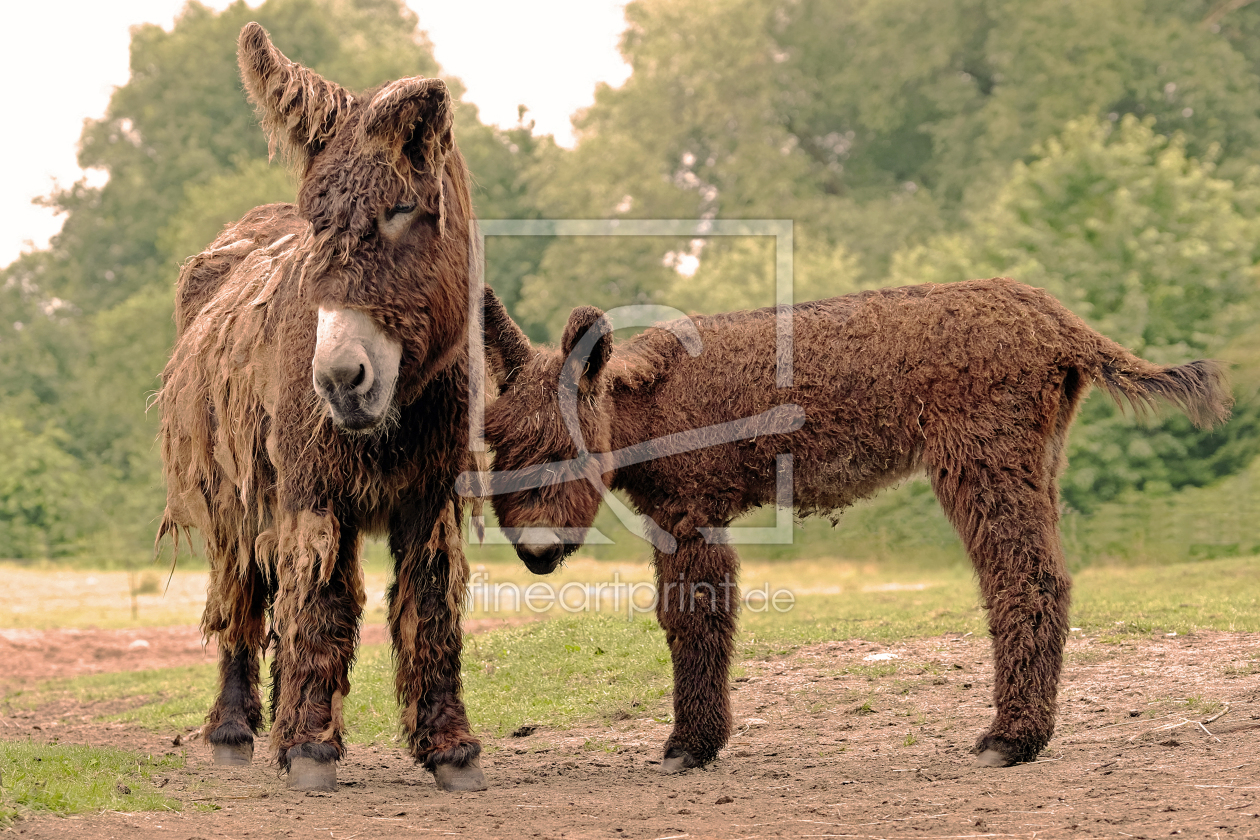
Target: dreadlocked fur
[(253, 459), (974, 383)]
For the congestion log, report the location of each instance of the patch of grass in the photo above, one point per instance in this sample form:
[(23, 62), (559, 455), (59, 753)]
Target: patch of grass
[(1113, 602), (554, 673), (167, 699), (71, 778), (872, 672), (1200, 706), (565, 670), (1182, 598), (576, 668), (1246, 669), (599, 745), (948, 603)]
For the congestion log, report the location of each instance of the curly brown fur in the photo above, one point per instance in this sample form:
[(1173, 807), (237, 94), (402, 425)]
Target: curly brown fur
[(975, 383), (281, 494)]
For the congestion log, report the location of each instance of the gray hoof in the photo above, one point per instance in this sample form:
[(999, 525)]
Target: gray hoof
[(993, 758), (677, 764), (452, 778), (309, 774), (233, 755)]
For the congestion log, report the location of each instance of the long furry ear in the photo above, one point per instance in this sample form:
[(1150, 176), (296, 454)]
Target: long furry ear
[(507, 348), (411, 116), (587, 341), (298, 108)]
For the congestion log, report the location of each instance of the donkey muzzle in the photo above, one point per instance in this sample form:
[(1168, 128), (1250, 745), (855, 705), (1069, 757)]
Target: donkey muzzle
[(540, 549), (355, 368)]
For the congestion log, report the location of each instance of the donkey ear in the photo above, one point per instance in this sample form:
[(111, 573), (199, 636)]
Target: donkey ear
[(507, 347), (411, 116), (298, 108), (587, 341)]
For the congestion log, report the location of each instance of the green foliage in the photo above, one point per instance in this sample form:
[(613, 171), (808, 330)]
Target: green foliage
[(1107, 152), (1154, 251), (870, 123), (41, 493), (209, 206), (739, 273), (1119, 223), (85, 327), (1149, 527)]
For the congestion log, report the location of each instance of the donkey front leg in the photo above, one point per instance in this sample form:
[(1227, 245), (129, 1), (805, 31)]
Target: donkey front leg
[(234, 615), (1010, 528), (697, 604), (425, 600), (316, 625)]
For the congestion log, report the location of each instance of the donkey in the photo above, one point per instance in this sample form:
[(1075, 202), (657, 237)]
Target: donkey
[(975, 383), (317, 393)]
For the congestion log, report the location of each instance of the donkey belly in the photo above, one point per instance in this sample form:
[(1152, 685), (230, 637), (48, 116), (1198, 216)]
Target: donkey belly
[(832, 480), (714, 485)]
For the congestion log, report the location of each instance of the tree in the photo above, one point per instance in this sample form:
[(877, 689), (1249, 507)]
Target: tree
[(1153, 250), (874, 124), (44, 509), (85, 326)]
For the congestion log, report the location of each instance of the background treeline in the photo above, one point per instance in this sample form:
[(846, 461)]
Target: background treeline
[(1109, 152)]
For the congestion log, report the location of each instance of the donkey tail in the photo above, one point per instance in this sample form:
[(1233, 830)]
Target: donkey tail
[(1200, 389)]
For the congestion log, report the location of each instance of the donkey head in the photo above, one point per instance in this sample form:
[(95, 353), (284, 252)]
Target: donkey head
[(550, 430), (386, 195)]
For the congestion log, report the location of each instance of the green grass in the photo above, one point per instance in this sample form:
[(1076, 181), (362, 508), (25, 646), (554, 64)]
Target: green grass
[(167, 699), (574, 669), (1127, 601), (571, 669), (555, 673), (69, 778)]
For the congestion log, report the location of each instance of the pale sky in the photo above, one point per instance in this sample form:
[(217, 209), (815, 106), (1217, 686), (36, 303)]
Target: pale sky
[(63, 58)]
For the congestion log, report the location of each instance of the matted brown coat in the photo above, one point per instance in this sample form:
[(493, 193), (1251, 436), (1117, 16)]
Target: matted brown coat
[(317, 392), (974, 383)]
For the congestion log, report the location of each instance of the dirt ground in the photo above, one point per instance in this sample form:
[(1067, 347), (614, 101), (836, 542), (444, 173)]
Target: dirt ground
[(829, 744)]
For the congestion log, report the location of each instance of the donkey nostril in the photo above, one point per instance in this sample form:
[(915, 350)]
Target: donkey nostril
[(351, 377), (324, 382)]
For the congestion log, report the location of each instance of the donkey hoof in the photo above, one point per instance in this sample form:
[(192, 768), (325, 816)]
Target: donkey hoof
[(234, 755), (678, 763), (309, 774), (452, 778), (993, 758)]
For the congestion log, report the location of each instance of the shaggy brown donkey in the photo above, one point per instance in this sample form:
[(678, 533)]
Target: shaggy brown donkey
[(975, 383), (317, 393)]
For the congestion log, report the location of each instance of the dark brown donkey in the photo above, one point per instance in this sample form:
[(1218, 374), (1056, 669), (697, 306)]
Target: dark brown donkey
[(975, 383), (317, 393)]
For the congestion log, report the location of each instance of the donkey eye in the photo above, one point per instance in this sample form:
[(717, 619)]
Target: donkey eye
[(401, 209)]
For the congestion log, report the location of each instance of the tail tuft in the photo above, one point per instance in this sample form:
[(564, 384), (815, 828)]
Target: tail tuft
[(1200, 389)]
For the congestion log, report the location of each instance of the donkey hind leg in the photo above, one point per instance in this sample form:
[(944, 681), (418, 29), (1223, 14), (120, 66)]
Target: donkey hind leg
[(315, 624), (425, 600), (235, 616), (1008, 520), (697, 603)]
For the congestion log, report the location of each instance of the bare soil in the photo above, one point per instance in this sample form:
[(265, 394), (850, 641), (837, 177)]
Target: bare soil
[(830, 744)]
